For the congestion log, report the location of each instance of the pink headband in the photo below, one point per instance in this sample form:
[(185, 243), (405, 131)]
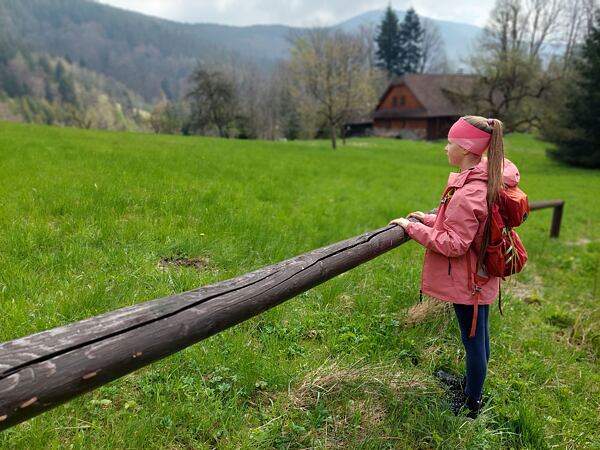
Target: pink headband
[(469, 136)]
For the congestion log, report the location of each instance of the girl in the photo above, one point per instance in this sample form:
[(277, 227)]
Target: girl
[(454, 240)]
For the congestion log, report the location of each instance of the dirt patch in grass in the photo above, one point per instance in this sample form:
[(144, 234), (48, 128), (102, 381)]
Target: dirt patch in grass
[(356, 399), (432, 352), (424, 311), (372, 414), (530, 293), (582, 241), (346, 302), (581, 332), (167, 262), (334, 381), (359, 144)]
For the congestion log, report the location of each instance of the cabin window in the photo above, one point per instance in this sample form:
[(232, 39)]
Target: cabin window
[(394, 101), (402, 100)]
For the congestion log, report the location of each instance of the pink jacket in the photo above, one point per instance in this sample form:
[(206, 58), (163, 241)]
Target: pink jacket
[(455, 234)]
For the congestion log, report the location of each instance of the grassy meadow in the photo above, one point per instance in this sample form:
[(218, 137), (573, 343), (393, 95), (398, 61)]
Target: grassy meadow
[(89, 221)]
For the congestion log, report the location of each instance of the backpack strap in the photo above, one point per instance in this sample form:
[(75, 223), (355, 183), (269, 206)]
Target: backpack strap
[(475, 313), (476, 291), (500, 297), (447, 195), (474, 287)]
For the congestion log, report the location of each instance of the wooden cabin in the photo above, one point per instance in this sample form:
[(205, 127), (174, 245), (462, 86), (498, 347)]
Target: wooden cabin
[(421, 106)]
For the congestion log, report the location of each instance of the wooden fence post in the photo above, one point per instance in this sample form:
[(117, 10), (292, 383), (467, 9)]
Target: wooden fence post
[(558, 206)]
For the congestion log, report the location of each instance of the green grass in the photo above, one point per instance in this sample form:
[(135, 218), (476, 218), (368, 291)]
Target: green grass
[(86, 217)]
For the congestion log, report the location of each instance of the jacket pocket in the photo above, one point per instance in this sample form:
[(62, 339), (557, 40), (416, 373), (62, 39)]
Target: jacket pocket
[(453, 271)]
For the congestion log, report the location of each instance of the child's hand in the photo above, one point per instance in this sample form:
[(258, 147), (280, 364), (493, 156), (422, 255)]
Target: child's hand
[(417, 215), (400, 221)]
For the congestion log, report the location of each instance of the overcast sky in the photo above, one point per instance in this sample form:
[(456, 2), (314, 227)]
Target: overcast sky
[(300, 12)]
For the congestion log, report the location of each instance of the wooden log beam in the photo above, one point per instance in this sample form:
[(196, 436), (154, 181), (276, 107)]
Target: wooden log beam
[(41, 371), (545, 204), (558, 206)]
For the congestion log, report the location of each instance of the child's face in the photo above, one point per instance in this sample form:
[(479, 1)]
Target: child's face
[(455, 153)]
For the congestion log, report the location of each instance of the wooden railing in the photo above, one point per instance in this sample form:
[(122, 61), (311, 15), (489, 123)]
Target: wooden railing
[(41, 371), (558, 206)]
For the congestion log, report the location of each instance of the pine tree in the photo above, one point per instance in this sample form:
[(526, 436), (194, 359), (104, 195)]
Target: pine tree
[(579, 143), (66, 87), (411, 42), (388, 42)]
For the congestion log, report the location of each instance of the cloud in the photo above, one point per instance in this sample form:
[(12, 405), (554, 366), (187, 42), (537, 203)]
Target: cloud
[(299, 12)]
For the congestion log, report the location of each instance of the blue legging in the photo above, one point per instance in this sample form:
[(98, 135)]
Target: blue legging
[(477, 348)]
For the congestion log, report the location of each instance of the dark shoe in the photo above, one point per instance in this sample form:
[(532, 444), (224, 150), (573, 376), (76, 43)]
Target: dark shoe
[(459, 402), (454, 382), (474, 407)]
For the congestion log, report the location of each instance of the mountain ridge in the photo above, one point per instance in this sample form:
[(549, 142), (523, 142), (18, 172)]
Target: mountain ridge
[(153, 56)]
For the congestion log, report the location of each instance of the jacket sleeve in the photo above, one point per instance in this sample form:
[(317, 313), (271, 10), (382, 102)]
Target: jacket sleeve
[(429, 219), (461, 222)]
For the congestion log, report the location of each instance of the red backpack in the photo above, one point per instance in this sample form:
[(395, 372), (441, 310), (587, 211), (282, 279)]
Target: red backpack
[(505, 254)]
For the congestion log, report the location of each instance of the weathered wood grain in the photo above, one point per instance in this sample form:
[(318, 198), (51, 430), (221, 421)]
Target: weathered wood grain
[(43, 370)]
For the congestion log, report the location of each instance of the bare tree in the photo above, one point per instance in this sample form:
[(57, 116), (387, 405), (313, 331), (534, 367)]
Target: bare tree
[(166, 118), (214, 99), (367, 34), (505, 31), (283, 113), (513, 81), (542, 23), (531, 25), (331, 76), (575, 26), (252, 86), (78, 116), (433, 49)]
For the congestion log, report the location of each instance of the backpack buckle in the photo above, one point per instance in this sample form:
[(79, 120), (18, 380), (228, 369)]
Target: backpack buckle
[(476, 289)]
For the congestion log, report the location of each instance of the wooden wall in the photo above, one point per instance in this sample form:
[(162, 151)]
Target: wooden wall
[(404, 99)]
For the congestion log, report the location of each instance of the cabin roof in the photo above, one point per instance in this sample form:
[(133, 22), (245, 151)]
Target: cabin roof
[(435, 92)]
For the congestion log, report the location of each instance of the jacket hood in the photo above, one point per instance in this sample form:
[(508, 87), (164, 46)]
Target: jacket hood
[(510, 176)]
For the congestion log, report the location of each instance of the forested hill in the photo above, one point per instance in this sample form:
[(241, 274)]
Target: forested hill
[(155, 57), (37, 87), (149, 55)]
